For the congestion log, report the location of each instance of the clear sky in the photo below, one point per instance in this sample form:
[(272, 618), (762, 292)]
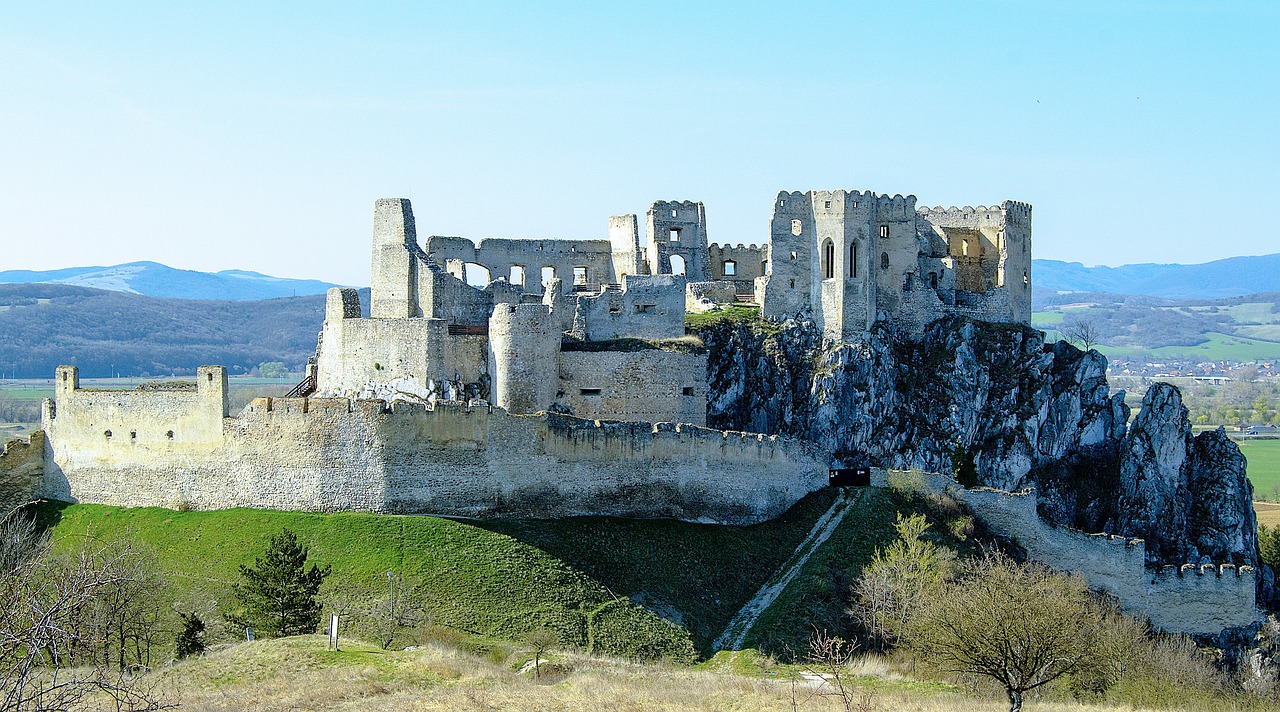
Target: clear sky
[(244, 136)]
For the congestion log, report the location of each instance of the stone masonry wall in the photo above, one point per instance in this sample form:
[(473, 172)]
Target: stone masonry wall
[(21, 470), (644, 386), (1183, 599), (335, 454)]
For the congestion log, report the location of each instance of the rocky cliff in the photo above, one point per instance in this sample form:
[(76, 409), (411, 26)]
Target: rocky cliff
[(1003, 409)]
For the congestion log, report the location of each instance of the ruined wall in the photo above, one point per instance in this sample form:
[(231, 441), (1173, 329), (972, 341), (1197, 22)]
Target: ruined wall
[(647, 307), (336, 455), (644, 386), (394, 283), (787, 289), (356, 355), (628, 254), (701, 297), (1196, 599), (748, 263), (686, 222), (21, 470), (989, 248), (499, 255)]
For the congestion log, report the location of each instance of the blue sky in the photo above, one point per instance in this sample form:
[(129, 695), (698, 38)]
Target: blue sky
[(237, 136)]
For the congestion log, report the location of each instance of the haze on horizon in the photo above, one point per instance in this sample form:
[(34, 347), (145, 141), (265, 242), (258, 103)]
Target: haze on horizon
[(247, 137)]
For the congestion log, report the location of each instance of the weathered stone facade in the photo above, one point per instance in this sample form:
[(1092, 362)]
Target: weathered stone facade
[(849, 259), (171, 448)]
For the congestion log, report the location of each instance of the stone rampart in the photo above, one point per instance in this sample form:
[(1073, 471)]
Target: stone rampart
[(333, 454), (21, 470), (1186, 599), (643, 386)]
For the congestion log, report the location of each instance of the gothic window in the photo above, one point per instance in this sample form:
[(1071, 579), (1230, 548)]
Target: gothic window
[(828, 259), (884, 260), (884, 231), (853, 259), (677, 264)]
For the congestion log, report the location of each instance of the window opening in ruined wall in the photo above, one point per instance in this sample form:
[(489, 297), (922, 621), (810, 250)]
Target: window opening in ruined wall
[(729, 268), (853, 259), (548, 274), (828, 259), (674, 235), (933, 280), (589, 391), (796, 227), (476, 275), (517, 275), (677, 264), (884, 231), (579, 276), (884, 260)]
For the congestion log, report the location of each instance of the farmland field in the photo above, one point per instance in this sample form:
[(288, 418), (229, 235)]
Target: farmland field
[(1264, 467)]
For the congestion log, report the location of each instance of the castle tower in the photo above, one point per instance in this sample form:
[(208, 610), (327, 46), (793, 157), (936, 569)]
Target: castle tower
[(1014, 269), (678, 240), (394, 292), (789, 280), (524, 345), (624, 238), (211, 384)]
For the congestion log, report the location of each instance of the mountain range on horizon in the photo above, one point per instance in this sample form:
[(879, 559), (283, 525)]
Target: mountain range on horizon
[(1229, 277)]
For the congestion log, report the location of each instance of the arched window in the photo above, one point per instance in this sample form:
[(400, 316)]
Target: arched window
[(677, 264), (853, 259), (884, 260), (476, 275), (548, 274), (828, 259), (933, 280)]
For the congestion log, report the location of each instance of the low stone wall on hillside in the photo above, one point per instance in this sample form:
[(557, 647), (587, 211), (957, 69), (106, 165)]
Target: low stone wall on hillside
[(21, 471), (1192, 598), (334, 454)]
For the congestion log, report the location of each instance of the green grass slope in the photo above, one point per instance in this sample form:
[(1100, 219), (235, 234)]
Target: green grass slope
[(633, 588), (475, 580)]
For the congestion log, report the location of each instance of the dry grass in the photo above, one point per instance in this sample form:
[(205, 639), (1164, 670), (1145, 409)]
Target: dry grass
[(299, 674)]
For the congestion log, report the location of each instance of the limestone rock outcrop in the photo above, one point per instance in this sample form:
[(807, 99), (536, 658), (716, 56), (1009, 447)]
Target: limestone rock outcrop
[(1000, 403)]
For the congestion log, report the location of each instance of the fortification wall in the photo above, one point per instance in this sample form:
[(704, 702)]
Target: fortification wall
[(748, 263), (678, 227), (645, 386), (624, 239), (336, 454), (701, 297), (21, 470), (648, 307), (1186, 599), (356, 355), (499, 255)]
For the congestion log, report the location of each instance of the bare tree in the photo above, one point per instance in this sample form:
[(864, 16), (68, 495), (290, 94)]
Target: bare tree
[(48, 640), (1082, 331), (1022, 625), (828, 659), (541, 640)]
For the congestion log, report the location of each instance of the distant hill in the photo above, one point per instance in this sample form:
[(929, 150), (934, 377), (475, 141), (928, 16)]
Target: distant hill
[(156, 280), (1230, 277), (44, 325)]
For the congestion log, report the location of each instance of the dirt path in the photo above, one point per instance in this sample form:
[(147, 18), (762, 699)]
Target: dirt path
[(736, 632)]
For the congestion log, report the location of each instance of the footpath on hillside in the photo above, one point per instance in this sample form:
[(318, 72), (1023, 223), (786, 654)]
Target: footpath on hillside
[(736, 632)]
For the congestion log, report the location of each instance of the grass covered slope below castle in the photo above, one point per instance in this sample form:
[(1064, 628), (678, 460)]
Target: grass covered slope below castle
[(499, 579)]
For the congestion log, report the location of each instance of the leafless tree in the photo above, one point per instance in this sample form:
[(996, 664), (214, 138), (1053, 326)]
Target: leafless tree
[(828, 659), (1082, 331), (49, 646)]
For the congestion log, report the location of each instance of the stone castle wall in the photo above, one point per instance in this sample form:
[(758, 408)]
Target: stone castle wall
[(21, 470), (641, 386), (334, 454), (1188, 599)]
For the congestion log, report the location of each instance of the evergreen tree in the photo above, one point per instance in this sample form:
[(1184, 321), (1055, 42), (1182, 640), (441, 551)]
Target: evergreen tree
[(191, 639), (278, 593)]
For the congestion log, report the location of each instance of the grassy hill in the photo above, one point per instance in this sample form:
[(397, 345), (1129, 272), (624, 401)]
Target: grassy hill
[(581, 576)]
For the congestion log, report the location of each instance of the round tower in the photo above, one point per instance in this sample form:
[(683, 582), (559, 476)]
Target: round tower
[(524, 344)]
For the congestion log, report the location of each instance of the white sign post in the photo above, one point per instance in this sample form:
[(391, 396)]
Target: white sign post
[(333, 632)]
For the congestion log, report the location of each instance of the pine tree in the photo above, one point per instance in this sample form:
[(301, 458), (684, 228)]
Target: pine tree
[(191, 639), (278, 593)]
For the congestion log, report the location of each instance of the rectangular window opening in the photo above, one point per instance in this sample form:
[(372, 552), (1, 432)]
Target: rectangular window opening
[(643, 308), (884, 231), (674, 234), (589, 391), (579, 276), (686, 391)]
